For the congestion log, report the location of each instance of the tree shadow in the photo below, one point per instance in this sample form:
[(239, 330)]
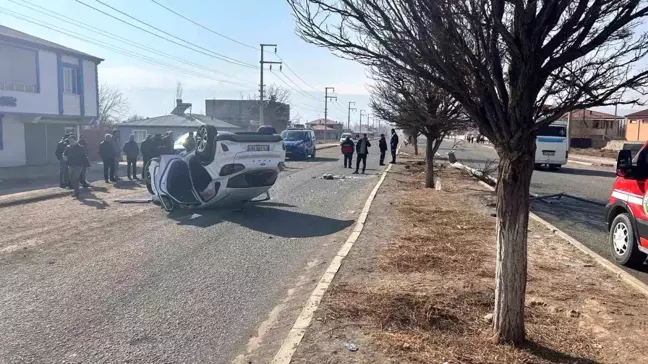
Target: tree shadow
[(92, 200), (312, 160), (267, 220), (585, 172), (127, 185), (554, 356)]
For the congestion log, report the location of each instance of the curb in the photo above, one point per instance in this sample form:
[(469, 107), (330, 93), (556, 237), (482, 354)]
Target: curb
[(297, 332), (626, 277), (8, 202)]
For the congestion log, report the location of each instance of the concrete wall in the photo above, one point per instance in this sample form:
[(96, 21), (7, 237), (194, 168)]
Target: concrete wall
[(637, 130), (13, 142)]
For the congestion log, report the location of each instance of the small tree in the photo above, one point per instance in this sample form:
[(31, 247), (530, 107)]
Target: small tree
[(113, 105), (276, 107), (418, 106), (515, 66)]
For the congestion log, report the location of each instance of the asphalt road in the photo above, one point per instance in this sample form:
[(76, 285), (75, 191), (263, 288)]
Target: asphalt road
[(96, 281), (582, 220)]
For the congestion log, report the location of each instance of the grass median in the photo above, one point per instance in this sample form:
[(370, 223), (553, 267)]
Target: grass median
[(418, 287)]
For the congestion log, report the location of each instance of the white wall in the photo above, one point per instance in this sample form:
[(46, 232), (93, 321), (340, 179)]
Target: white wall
[(13, 138), (45, 102), (90, 88), (69, 59), (71, 104)]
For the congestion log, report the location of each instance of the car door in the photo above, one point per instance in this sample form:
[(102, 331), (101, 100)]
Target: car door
[(173, 179)]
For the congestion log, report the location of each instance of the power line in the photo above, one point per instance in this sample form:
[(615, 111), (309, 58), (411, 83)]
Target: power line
[(65, 19), (304, 92), (207, 52), (285, 83), (296, 75), (114, 48), (204, 27)]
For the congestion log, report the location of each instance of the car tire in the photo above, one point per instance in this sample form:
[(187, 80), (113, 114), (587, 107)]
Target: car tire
[(623, 242), (554, 167), (537, 166), (314, 153), (206, 143), (147, 176)]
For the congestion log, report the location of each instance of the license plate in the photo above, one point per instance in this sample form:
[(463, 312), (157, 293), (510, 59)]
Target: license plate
[(550, 153), (258, 148)]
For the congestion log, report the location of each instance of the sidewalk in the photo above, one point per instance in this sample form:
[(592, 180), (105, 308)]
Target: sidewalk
[(418, 287)]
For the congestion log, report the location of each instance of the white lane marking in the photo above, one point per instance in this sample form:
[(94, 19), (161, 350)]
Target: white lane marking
[(295, 335)]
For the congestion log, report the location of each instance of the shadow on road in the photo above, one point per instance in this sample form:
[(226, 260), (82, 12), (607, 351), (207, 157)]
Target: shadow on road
[(92, 200), (268, 220), (316, 159), (585, 172), (554, 356)]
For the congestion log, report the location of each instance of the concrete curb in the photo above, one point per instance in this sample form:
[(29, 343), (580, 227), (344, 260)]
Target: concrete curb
[(297, 332), (31, 197), (626, 277)]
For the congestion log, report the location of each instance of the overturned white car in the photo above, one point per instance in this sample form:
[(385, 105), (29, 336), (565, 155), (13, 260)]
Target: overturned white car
[(225, 168)]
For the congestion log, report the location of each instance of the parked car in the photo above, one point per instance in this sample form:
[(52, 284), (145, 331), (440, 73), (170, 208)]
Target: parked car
[(225, 168), (344, 136), (299, 143), (626, 214)]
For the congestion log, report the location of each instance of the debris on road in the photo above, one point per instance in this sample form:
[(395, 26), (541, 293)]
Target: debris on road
[(351, 347)]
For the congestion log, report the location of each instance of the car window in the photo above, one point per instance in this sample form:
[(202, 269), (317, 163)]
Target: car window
[(553, 130), (295, 135)]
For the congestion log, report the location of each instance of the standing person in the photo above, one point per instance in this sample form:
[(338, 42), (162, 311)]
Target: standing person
[(107, 154), (63, 168), (147, 153), (382, 145), (362, 149), (347, 147), (157, 145), (116, 144), (393, 143), (167, 143), (84, 180), (132, 152), (190, 143), (77, 160)]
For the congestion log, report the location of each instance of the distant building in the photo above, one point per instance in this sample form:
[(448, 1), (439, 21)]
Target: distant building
[(636, 127), (593, 129), (46, 91), (245, 113), (177, 122), (329, 129)]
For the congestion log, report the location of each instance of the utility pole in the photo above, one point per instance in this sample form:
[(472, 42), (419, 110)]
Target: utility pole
[(262, 62), (326, 98), (361, 112), (349, 117)]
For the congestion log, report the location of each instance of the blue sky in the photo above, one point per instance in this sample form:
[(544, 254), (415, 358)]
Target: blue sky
[(151, 88)]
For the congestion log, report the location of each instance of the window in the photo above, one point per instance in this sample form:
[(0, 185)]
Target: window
[(70, 80), (18, 69), (140, 135), (554, 131)]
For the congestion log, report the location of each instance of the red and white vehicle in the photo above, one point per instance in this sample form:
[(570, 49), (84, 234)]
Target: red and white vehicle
[(627, 212)]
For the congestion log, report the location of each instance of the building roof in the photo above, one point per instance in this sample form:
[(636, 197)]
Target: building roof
[(639, 114), (321, 122), (587, 114), (183, 121), (10, 34), (322, 127)]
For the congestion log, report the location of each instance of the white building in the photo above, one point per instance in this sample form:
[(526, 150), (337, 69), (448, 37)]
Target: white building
[(46, 90)]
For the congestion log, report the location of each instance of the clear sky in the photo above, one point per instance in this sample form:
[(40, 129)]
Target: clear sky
[(150, 88)]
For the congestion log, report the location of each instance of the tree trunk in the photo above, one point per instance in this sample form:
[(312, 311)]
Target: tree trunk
[(415, 142), (429, 162), (514, 178)]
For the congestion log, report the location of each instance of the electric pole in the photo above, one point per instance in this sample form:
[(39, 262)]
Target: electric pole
[(261, 85), (326, 98), (349, 117), (361, 112)]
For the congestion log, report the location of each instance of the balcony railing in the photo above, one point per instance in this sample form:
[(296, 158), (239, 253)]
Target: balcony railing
[(17, 86)]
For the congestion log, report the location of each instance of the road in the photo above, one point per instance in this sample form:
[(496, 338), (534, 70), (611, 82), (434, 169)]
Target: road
[(99, 281), (581, 220)]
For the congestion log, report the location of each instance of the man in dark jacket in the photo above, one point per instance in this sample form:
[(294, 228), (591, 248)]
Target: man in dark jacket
[(107, 154), (77, 161), (132, 152), (190, 142), (167, 143), (393, 143), (63, 168), (147, 152), (84, 180), (382, 145), (347, 147), (362, 149), (157, 145)]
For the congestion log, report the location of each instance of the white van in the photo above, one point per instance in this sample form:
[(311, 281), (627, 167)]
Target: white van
[(552, 145)]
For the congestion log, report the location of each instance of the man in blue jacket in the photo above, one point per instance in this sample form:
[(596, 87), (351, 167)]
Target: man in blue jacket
[(393, 143), (362, 149)]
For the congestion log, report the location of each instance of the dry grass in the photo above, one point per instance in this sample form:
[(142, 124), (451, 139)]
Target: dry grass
[(423, 298)]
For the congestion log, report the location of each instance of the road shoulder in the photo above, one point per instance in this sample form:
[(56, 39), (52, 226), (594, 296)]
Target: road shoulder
[(410, 291)]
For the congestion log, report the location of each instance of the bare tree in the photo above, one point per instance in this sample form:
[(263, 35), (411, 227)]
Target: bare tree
[(135, 117), (276, 106), (515, 66), (179, 91), (416, 105), (113, 105)]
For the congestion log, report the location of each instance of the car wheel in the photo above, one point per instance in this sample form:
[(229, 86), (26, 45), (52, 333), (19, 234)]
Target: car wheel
[(206, 143), (554, 167), (623, 243), (537, 166), (314, 153), (147, 176)]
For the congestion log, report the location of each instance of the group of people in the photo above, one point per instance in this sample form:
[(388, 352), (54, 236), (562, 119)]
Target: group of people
[(476, 138), (361, 148), (74, 163)]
